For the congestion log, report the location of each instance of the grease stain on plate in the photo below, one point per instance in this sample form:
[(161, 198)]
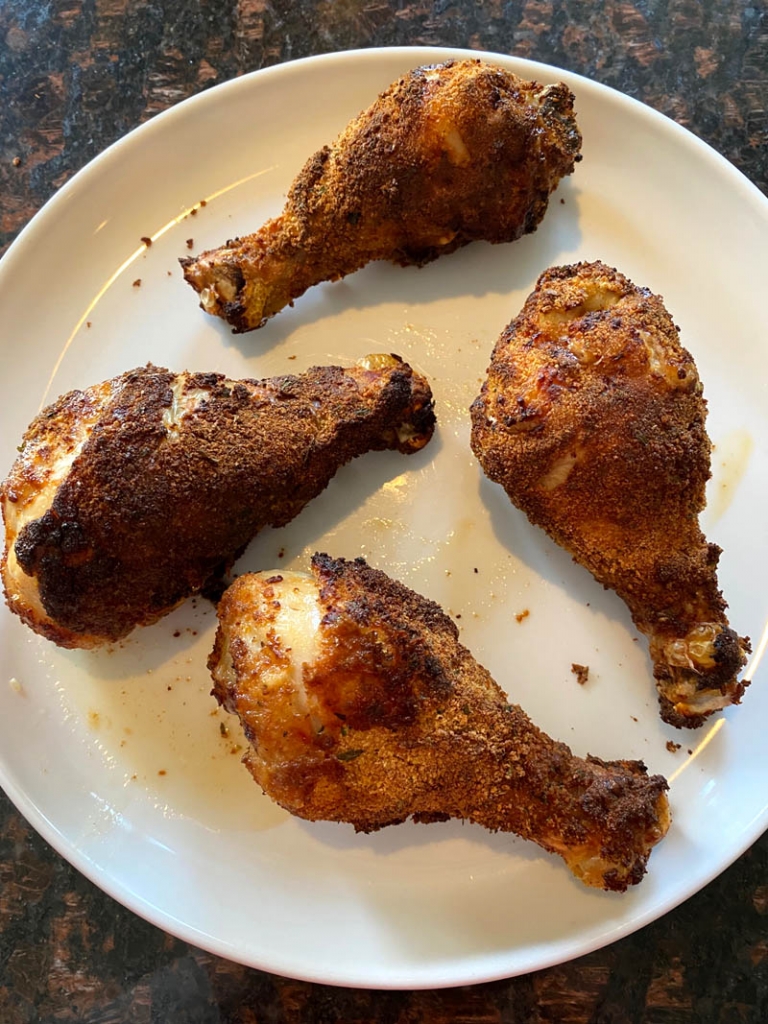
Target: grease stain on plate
[(730, 460)]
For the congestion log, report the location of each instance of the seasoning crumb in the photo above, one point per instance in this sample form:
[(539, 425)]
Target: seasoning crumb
[(458, 615), (137, 283), (203, 202), (673, 747), (169, 273), (190, 243), (146, 240), (281, 553), (223, 729), (475, 569), (633, 718), (521, 615), (691, 753), (162, 772), (581, 672), (193, 212), (562, 202), (16, 161), (87, 323), (177, 632), (291, 357)]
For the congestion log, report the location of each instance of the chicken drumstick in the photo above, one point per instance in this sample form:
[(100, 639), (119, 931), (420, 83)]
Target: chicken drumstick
[(592, 419), (362, 706), (132, 495), (448, 154)]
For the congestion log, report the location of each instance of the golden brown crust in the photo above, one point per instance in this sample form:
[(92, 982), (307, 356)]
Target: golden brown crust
[(592, 419), (450, 153), (177, 475), (400, 721)]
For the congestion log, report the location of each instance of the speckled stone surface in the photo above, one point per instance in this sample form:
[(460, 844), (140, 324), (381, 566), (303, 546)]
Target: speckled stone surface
[(77, 74)]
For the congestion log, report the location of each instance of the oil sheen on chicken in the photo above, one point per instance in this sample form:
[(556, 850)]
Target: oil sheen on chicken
[(361, 706), (592, 419), (449, 154), (131, 495)]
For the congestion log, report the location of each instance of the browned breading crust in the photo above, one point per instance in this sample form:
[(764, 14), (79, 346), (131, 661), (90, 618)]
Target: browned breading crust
[(405, 723), (450, 153), (592, 419), (177, 475)]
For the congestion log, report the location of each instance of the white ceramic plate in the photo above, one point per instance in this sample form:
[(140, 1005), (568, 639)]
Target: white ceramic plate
[(118, 757)]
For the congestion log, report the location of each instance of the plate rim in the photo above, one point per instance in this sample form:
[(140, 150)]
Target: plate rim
[(28, 236)]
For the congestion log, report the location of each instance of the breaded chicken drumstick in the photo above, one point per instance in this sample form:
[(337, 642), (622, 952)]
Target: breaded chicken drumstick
[(362, 706), (450, 153), (592, 419), (132, 495)]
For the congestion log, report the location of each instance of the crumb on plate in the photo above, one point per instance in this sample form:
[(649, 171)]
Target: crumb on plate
[(581, 672)]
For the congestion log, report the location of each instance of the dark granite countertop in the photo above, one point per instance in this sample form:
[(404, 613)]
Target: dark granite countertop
[(77, 74)]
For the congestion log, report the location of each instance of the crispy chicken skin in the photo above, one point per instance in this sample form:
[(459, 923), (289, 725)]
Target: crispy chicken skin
[(361, 706), (450, 153), (133, 494), (592, 419)]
